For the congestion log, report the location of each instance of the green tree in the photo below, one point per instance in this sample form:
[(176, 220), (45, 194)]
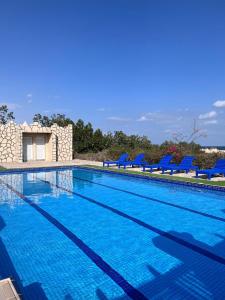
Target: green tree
[(59, 119), (86, 139), (99, 141), (120, 138), (136, 141), (82, 137), (43, 120), (5, 114)]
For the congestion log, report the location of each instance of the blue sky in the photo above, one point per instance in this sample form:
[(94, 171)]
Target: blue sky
[(145, 67)]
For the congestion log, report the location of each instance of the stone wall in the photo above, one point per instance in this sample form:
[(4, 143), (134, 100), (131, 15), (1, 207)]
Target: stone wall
[(60, 141), (64, 142), (9, 142)]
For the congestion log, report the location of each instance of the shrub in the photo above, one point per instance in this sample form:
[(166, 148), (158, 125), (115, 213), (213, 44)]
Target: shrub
[(207, 160), (153, 155), (99, 156)]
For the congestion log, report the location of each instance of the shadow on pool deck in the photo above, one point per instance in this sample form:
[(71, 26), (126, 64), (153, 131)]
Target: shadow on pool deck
[(197, 276), (34, 290)]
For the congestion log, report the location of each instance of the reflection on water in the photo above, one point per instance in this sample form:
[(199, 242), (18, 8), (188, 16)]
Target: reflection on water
[(34, 185), (83, 178)]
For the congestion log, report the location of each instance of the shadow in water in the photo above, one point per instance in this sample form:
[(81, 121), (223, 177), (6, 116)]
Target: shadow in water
[(195, 277), (33, 291), (68, 297), (100, 295), (2, 223)]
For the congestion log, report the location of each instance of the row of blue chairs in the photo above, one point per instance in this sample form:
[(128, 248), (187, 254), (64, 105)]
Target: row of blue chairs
[(186, 165), (124, 162)]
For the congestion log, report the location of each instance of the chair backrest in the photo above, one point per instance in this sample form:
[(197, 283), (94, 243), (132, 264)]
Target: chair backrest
[(220, 164), (139, 158), (166, 159), (123, 157), (187, 161)]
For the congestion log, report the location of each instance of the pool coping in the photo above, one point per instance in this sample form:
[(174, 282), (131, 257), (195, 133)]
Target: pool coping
[(115, 172), (165, 180), (7, 290)]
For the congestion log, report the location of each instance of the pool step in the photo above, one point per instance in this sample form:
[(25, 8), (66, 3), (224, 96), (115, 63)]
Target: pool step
[(7, 290)]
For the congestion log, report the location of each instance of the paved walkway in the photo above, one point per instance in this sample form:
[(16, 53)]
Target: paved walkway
[(80, 162), (40, 164)]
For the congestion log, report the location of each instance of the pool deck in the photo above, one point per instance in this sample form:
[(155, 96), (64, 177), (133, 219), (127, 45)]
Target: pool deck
[(80, 162), (7, 290), (47, 164)]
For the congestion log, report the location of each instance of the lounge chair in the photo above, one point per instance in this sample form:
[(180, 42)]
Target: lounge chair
[(137, 162), (185, 165), (123, 157), (219, 168), (164, 161)]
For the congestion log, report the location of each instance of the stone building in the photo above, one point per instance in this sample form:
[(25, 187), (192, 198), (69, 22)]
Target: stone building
[(33, 142)]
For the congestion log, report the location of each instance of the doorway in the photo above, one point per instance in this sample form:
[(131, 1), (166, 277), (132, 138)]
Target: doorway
[(35, 146), (40, 147), (27, 148)]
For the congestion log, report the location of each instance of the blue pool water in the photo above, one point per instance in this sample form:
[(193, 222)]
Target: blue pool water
[(83, 234)]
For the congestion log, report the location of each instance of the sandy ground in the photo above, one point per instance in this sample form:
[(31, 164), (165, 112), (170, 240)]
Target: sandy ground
[(79, 162)]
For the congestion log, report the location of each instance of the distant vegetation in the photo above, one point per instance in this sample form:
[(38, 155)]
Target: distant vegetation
[(93, 144), (5, 114), (86, 139), (90, 143)]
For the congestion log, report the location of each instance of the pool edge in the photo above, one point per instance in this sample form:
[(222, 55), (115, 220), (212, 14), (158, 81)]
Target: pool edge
[(141, 176)]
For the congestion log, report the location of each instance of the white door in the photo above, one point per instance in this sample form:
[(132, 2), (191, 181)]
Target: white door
[(27, 148), (40, 148)]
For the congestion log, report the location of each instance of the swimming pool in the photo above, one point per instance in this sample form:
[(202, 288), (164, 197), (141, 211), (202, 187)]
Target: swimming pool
[(81, 234)]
